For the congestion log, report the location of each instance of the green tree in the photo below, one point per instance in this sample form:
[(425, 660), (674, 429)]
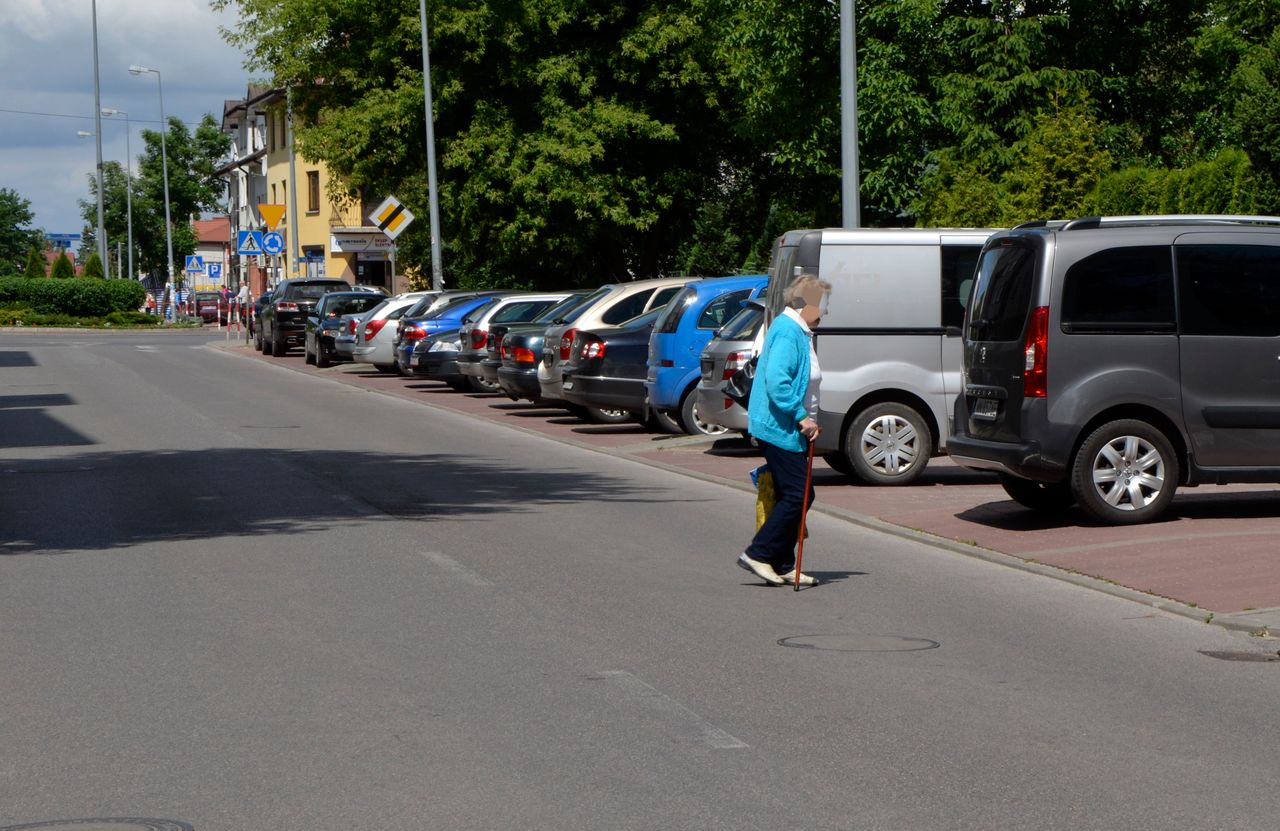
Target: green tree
[(93, 267), (194, 188), (62, 267), (16, 238), (36, 263)]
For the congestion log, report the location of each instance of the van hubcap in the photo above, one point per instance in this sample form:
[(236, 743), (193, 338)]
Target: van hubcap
[(890, 444), (1128, 473)]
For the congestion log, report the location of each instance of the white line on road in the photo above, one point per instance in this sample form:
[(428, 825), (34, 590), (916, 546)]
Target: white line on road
[(641, 694), (455, 568)]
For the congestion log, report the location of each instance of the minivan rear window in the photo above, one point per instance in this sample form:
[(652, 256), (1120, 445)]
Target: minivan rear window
[(1126, 289), (1002, 293), (670, 319), (1229, 290)]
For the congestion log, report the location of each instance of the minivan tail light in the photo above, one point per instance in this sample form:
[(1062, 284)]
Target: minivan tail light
[(566, 344), (351, 326), (479, 338), (1036, 355)]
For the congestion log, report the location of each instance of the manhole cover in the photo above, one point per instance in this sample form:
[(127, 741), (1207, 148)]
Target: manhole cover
[(855, 643), (1252, 657), (107, 824)]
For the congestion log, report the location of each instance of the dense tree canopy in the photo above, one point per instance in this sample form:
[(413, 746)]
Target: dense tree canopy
[(16, 235), (585, 140)]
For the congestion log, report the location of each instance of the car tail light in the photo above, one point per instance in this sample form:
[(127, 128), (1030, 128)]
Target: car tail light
[(286, 306), (412, 333), (1036, 355), (524, 355), (351, 326), (479, 338), (373, 327), (566, 344), (503, 352), (666, 363), (592, 348), (734, 362)]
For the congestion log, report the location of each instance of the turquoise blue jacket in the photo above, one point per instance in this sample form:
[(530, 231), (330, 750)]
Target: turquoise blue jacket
[(781, 387)]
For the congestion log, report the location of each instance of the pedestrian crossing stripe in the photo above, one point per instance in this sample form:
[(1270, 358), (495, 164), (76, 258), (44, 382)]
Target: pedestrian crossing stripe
[(250, 243)]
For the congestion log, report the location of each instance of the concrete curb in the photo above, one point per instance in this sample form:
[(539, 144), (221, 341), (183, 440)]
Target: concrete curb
[(1237, 622)]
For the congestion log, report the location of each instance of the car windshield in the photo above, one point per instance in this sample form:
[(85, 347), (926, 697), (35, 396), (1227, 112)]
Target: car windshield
[(352, 305), (519, 311), (308, 291)]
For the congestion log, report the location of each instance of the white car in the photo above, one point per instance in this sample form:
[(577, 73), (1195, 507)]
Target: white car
[(375, 332)]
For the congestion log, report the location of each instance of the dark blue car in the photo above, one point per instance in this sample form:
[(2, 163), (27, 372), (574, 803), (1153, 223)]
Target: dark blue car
[(445, 317), (688, 323)]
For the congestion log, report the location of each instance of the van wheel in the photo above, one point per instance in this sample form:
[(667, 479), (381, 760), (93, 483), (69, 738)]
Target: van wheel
[(888, 444), (1038, 496), (692, 423), (1125, 473), (278, 345)]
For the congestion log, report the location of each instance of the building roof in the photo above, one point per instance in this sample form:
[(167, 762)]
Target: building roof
[(213, 230)]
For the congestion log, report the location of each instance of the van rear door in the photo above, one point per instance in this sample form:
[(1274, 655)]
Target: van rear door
[(995, 350)]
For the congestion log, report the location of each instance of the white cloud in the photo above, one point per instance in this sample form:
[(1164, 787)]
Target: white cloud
[(46, 87)]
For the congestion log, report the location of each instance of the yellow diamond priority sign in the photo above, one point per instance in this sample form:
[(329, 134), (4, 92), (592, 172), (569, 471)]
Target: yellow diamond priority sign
[(391, 217)]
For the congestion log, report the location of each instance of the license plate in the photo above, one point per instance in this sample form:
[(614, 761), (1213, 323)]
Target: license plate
[(568, 385), (986, 408)]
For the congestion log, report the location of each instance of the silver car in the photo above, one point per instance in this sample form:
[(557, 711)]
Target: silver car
[(736, 343), (376, 331)]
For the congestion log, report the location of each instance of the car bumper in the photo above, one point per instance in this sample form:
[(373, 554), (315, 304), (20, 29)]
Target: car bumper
[(520, 384), (1024, 460), (604, 393), (435, 365), (713, 409)]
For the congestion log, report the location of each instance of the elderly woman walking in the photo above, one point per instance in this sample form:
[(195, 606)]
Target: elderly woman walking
[(781, 411)]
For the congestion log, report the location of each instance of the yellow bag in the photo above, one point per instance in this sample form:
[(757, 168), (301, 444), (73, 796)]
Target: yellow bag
[(766, 496)]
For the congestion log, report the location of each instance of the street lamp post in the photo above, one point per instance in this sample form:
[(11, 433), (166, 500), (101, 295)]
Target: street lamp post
[(97, 121), (128, 182), (164, 160)]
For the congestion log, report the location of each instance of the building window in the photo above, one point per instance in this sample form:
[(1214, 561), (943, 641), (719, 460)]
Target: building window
[(313, 191)]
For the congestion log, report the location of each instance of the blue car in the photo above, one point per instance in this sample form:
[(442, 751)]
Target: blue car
[(686, 326), (450, 315)]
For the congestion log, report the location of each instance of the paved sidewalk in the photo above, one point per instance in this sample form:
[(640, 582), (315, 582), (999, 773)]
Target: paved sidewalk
[(1215, 557)]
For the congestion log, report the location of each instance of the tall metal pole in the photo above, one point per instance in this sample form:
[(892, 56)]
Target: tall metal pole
[(293, 184), (437, 276), (849, 190), (164, 160), (128, 181), (97, 121)]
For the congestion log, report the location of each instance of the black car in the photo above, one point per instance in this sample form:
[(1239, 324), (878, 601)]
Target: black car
[(435, 356), (324, 320), (606, 370), (283, 320), (492, 360), (520, 351)]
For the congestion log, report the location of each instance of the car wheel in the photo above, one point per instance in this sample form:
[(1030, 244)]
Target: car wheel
[(1048, 497), (1125, 473), (580, 411), (663, 422), (389, 369), (257, 340), (481, 384), (692, 423), (278, 345), (322, 357), (266, 344), (839, 463), (459, 384), (308, 357), (888, 444), (608, 416)]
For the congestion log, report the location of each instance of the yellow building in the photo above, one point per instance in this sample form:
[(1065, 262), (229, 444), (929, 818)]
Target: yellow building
[(331, 240)]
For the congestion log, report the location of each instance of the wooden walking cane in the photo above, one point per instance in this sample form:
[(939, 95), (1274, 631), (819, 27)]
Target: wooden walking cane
[(804, 509)]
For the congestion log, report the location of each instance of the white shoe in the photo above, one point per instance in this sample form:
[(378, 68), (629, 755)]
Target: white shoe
[(803, 579), (762, 570)]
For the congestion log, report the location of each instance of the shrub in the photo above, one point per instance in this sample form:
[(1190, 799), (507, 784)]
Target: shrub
[(35, 264), (93, 268), (78, 297), (62, 267)]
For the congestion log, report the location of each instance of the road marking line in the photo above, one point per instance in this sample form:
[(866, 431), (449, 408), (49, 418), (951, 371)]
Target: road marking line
[(455, 568), (640, 693)]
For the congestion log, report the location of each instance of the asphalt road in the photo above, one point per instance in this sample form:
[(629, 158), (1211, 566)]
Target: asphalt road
[(239, 597)]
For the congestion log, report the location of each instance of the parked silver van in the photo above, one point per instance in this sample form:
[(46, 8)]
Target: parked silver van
[(889, 343), (1110, 360)]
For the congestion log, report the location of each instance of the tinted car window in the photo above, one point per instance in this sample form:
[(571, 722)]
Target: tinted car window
[(958, 264), (744, 324), (674, 311), (562, 308), (1120, 290), (474, 314), (719, 311), (1002, 293), (310, 291), (627, 307), (352, 305), (520, 310), (663, 296), (1229, 290)]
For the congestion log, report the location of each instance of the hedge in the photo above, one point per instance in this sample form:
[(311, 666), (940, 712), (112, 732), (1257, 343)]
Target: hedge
[(79, 296)]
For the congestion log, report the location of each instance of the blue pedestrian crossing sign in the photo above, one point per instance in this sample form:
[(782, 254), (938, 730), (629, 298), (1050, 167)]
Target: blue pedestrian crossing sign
[(249, 242), (272, 243), (195, 264)]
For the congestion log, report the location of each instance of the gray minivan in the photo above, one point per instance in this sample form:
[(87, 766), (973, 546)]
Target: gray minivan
[(1109, 360), (889, 343)]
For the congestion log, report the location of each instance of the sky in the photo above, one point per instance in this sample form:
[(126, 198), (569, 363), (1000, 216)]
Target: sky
[(47, 93)]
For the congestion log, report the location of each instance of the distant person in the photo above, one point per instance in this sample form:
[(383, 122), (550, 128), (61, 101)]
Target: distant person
[(780, 413)]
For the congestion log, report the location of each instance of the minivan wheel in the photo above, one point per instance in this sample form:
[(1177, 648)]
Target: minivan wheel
[(278, 345), (692, 422), (888, 444), (1125, 473), (665, 422), (1038, 496)]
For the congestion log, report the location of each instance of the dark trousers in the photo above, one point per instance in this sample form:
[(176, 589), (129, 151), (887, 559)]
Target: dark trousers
[(775, 542)]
